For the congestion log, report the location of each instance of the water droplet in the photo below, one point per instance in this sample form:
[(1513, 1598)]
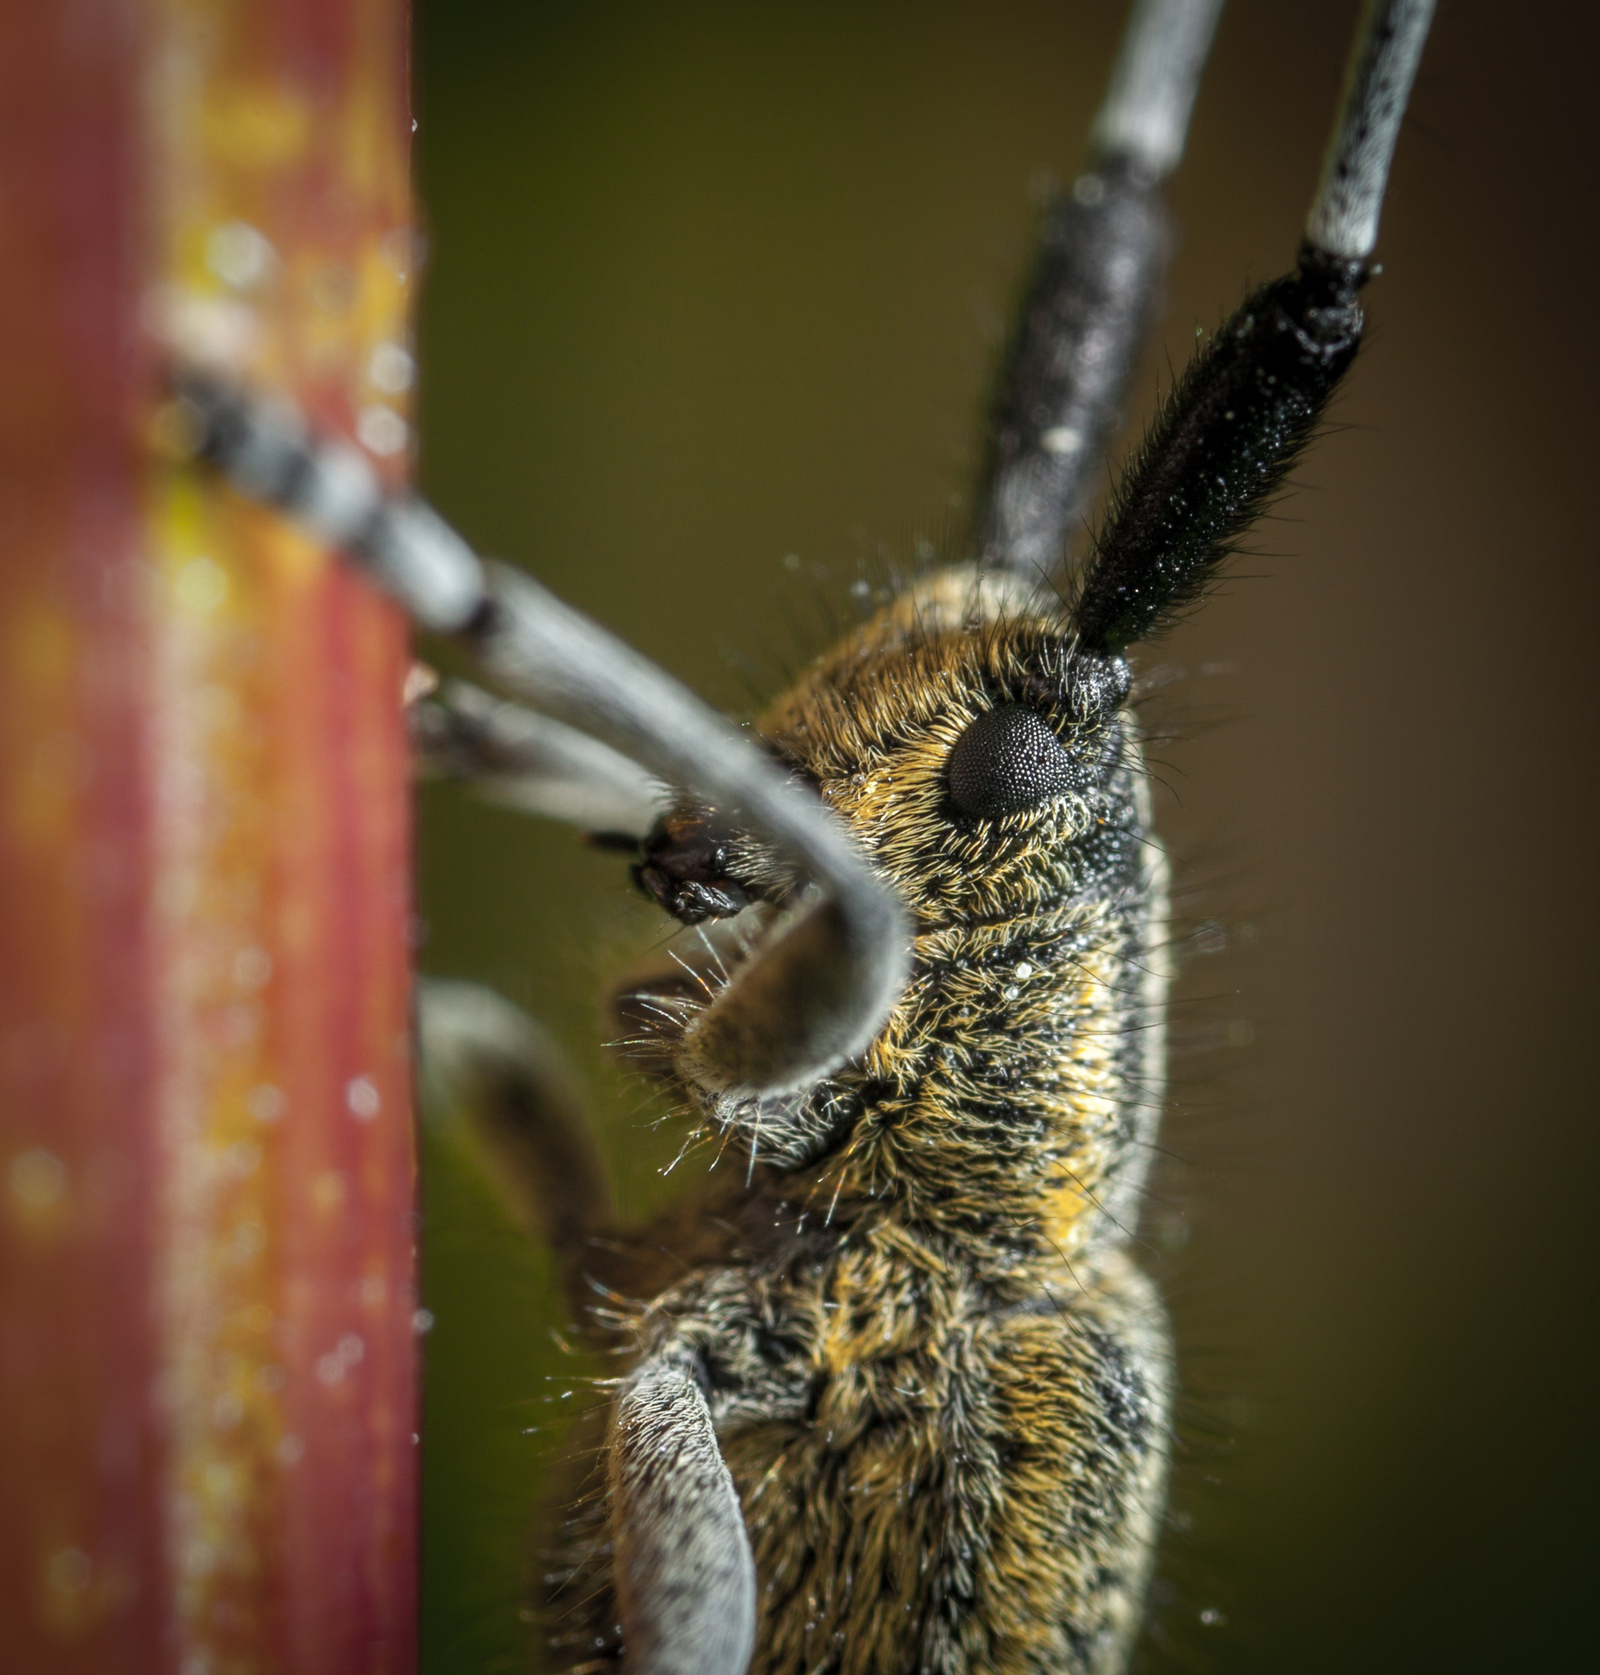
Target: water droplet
[(382, 431), (202, 585), (71, 1570), (362, 1096), (391, 368), (38, 1178), (239, 256), (1061, 440), (265, 1103)]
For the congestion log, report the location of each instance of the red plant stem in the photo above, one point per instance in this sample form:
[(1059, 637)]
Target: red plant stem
[(207, 1349)]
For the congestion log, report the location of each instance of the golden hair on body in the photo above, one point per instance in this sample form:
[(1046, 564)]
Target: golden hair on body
[(929, 1359)]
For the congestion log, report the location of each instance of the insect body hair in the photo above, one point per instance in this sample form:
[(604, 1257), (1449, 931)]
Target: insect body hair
[(923, 1295)]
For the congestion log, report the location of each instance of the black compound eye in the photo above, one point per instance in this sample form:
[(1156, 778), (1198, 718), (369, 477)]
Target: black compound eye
[(1009, 759)]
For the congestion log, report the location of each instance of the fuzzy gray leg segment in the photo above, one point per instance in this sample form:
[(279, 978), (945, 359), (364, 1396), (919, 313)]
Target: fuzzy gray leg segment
[(492, 1075), (527, 761), (810, 990), (685, 1580)]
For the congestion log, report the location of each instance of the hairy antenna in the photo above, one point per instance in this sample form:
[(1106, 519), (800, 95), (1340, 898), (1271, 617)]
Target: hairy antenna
[(1145, 117), (1230, 432), (1344, 214), (1102, 256)]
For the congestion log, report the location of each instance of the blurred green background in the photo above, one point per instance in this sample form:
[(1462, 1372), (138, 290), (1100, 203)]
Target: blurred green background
[(712, 285)]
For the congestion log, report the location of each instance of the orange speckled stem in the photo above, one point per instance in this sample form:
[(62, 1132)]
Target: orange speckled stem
[(208, 1380)]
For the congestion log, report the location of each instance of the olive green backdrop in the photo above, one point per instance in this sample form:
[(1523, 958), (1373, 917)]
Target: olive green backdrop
[(715, 285)]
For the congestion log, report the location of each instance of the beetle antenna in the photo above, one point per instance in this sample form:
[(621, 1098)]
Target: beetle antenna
[(1344, 214), (1250, 401), (1145, 116), (1102, 257)]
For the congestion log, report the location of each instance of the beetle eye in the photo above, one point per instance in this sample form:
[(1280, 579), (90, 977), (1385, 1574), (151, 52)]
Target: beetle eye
[(1009, 759)]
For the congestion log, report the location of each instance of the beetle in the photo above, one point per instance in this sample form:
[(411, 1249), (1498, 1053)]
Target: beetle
[(900, 1397)]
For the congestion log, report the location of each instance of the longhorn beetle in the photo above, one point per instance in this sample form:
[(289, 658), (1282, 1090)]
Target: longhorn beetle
[(898, 1395)]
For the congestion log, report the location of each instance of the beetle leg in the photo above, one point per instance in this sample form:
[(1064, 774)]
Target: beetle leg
[(492, 1075), (685, 1580), (528, 761)]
